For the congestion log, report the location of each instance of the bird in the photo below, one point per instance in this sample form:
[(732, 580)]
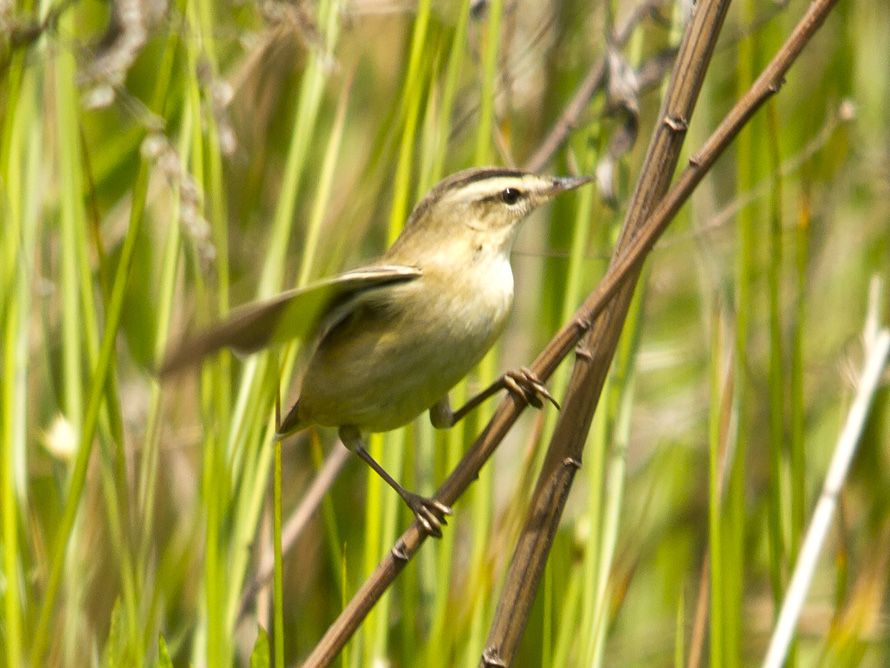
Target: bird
[(387, 341)]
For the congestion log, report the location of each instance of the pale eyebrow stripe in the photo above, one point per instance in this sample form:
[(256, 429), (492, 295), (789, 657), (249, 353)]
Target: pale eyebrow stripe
[(483, 175), (483, 188)]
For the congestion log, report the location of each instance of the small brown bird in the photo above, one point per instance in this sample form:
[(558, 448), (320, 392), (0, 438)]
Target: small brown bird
[(389, 340)]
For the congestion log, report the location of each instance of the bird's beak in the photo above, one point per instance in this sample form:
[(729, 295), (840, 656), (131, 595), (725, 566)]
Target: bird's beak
[(551, 186), (561, 184)]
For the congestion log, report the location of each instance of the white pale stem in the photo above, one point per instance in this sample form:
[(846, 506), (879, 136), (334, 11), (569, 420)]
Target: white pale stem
[(834, 481)]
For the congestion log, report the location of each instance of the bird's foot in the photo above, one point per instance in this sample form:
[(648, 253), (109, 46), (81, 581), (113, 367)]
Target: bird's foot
[(430, 513), (526, 386)]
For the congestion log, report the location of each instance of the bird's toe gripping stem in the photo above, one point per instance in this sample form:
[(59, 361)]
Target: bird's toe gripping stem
[(525, 385), (430, 513)]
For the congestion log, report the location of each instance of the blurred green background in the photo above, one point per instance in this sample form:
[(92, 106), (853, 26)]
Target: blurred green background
[(163, 162)]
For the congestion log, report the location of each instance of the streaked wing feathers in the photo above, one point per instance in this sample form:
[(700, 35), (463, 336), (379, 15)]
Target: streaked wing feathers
[(293, 314)]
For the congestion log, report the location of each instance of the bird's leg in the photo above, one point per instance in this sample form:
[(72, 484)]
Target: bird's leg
[(429, 512), (522, 384)]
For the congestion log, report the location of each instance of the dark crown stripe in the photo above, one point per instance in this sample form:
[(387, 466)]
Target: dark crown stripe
[(462, 179)]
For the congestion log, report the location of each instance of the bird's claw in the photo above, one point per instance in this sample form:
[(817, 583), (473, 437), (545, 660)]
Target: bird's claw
[(429, 512), (527, 387)]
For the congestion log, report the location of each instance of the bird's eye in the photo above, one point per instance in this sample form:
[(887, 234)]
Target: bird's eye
[(510, 196)]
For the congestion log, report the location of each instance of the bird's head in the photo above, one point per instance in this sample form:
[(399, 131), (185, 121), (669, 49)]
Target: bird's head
[(479, 203)]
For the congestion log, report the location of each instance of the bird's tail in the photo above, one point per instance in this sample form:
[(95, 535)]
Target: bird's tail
[(291, 423)]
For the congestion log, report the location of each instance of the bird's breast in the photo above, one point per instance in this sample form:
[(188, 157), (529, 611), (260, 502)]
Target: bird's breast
[(474, 302), (382, 368)]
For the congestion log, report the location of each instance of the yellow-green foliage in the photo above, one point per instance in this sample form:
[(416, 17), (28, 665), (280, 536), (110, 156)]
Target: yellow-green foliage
[(162, 163)]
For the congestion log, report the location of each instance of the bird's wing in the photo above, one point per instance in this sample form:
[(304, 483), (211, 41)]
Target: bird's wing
[(293, 314)]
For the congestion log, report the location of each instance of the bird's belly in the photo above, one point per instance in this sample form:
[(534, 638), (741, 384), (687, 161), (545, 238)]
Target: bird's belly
[(380, 373)]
